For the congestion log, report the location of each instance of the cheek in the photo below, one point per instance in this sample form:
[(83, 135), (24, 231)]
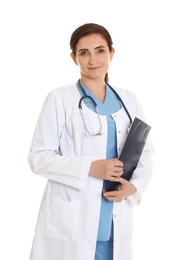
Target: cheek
[(107, 61), (82, 63)]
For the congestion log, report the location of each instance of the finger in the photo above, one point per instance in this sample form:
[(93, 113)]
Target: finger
[(115, 178), (113, 198), (109, 198), (122, 180), (118, 169), (109, 193), (118, 163)]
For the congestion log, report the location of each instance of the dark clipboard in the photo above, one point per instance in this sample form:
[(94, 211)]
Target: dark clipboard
[(132, 150)]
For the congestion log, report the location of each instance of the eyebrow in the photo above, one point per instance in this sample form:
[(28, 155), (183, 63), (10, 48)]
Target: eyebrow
[(94, 48)]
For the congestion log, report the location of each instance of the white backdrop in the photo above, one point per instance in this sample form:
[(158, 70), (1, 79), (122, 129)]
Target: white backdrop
[(150, 39)]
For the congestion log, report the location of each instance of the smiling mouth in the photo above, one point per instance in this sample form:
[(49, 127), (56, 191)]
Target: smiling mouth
[(93, 68)]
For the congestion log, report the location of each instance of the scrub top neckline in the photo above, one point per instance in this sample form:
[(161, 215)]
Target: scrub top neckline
[(106, 104), (88, 92)]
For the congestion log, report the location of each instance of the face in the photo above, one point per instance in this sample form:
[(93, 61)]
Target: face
[(93, 56)]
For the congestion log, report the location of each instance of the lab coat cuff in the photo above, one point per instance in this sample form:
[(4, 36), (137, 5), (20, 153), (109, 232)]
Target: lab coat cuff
[(135, 198), (84, 174)]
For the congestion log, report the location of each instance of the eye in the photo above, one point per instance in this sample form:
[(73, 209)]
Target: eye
[(101, 51), (84, 53)]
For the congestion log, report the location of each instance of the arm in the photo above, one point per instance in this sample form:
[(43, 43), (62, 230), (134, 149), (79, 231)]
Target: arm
[(134, 188), (45, 157)]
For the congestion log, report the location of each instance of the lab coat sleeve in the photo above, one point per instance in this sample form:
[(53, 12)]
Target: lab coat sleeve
[(45, 158), (144, 170)]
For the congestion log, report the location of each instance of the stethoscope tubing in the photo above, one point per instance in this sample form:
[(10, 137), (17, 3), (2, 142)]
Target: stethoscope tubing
[(95, 104)]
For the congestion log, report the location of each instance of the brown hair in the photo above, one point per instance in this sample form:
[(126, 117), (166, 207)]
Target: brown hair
[(87, 29)]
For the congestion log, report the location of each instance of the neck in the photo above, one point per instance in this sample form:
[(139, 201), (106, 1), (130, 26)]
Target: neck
[(97, 87)]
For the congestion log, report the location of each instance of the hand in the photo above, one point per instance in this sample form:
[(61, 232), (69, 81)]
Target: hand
[(126, 189), (106, 169)]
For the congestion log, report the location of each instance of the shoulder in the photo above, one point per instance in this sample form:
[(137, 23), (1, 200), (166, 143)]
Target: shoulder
[(126, 95), (131, 102), (63, 93), (64, 90), (62, 97)]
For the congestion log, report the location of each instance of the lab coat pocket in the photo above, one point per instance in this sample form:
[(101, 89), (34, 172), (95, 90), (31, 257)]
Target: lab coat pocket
[(60, 219)]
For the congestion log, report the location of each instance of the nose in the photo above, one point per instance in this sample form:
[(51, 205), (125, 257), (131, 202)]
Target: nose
[(92, 59)]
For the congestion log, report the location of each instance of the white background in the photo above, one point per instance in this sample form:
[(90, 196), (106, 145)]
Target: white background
[(150, 39)]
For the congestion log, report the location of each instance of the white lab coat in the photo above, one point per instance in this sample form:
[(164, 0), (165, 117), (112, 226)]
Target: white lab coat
[(60, 151)]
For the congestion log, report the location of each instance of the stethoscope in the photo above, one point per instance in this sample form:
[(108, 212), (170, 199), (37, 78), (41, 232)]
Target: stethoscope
[(85, 96)]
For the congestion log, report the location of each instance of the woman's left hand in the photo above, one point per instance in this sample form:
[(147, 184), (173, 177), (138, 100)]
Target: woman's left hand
[(126, 189)]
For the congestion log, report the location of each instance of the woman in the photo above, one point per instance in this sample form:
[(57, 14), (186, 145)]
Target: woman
[(76, 146)]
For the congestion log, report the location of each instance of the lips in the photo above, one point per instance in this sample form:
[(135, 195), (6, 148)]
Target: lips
[(93, 68)]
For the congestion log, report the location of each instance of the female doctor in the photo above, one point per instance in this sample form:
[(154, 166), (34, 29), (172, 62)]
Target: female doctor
[(78, 138)]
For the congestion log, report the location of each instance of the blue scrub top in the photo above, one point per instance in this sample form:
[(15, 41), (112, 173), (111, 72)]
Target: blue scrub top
[(110, 105)]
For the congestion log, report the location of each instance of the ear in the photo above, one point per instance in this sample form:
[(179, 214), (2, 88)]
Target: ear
[(112, 54), (74, 58)]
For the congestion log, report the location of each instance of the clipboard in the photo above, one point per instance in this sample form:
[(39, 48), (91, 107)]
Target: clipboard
[(132, 150)]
